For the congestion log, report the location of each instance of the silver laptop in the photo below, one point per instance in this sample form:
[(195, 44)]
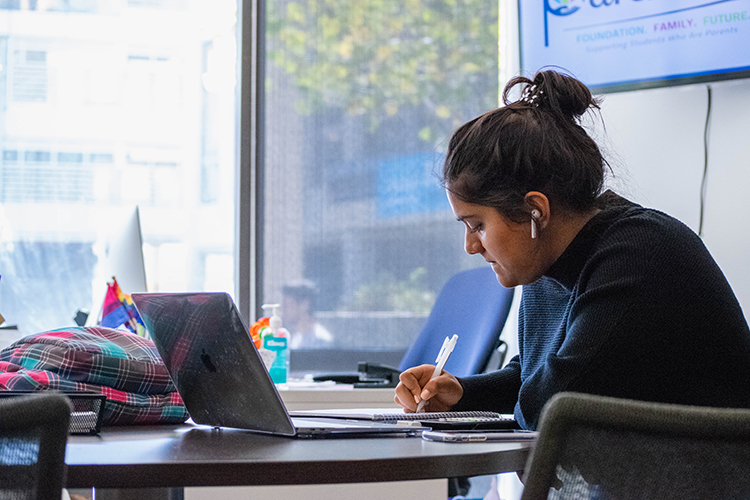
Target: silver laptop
[(219, 373)]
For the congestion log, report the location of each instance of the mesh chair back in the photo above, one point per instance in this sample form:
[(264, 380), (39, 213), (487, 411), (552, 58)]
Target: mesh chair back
[(33, 435), (593, 447)]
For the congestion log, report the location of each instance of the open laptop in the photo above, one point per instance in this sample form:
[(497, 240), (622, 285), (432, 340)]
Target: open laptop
[(219, 373)]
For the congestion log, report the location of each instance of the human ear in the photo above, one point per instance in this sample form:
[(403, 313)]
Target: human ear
[(539, 210)]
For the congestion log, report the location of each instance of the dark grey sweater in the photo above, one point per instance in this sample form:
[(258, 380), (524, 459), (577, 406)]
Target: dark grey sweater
[(636, 308)]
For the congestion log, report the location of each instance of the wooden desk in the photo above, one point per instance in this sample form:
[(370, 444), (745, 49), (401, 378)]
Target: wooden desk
[(186, 455)]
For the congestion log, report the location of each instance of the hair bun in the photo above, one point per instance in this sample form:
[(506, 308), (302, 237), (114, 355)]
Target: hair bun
[(564, 94)]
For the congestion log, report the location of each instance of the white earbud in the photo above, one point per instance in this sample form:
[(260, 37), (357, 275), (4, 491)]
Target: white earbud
[(534, 216)]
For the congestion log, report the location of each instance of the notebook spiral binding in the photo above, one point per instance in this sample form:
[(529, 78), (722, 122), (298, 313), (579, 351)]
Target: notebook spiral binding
[(393, 417)]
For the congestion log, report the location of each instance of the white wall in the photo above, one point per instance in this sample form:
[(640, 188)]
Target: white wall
[(434, 489), (655, 141)]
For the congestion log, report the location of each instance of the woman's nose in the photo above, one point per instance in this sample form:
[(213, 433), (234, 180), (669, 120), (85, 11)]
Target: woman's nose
[(473, 245)]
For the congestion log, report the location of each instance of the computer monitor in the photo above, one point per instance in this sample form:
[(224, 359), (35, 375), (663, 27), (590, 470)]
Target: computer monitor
[(123, 259)]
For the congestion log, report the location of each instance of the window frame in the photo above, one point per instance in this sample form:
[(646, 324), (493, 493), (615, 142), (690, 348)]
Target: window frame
[(249, 141)]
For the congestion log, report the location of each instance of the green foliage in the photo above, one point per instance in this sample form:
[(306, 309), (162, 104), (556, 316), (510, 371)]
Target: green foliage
[(387, 293), (374, 57)]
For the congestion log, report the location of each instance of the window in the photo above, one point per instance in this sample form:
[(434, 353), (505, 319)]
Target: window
[(136, 105), (360, 99), (107, 105)]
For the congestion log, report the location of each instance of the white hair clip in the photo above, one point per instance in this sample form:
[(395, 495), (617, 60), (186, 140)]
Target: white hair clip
[(530, 96)]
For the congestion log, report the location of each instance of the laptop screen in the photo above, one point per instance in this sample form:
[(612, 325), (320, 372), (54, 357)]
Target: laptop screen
[(217, 370)]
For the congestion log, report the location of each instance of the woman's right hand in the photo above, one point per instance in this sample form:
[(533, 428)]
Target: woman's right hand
[(415, 384)]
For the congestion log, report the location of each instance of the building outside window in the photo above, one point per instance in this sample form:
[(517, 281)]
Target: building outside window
[(107, 105), (360, 100)]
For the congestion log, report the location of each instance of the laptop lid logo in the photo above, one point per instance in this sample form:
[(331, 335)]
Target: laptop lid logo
[(207, 361)]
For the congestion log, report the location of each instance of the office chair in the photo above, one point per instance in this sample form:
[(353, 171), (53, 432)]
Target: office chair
[(594, 447), (471, 304), (33, 436)]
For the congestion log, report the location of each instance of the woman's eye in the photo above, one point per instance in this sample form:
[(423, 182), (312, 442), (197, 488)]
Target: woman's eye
[(475, 228)]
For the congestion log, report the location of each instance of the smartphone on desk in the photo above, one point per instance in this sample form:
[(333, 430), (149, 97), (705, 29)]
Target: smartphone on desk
[(479, 436)]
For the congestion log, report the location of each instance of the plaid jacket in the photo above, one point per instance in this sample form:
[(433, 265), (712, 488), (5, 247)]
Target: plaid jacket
[(122, 366)]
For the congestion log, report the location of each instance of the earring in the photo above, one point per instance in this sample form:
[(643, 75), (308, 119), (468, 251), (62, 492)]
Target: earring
[(534, 216)]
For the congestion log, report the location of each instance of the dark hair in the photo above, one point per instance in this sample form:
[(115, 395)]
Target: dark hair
[(533, 144), (301, 290)]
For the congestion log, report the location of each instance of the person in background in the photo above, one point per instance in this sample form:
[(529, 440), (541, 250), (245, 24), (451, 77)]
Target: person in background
[(618, 300), (297, 310)]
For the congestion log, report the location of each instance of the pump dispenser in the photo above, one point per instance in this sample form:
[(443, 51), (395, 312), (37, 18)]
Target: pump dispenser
[(278, 341), (274, 322)]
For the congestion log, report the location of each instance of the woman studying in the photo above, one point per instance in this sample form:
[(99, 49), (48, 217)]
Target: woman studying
[(618, 300)]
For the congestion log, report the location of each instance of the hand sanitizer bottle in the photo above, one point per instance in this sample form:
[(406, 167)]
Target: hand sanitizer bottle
[(277, 341)]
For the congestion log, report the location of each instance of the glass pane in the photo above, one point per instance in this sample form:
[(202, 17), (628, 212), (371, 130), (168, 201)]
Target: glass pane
[(108, 105), (361, 97)]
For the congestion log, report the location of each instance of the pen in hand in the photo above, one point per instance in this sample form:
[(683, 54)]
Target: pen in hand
[(442, 358)]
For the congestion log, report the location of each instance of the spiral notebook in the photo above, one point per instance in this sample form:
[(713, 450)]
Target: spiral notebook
[(459, 420)]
